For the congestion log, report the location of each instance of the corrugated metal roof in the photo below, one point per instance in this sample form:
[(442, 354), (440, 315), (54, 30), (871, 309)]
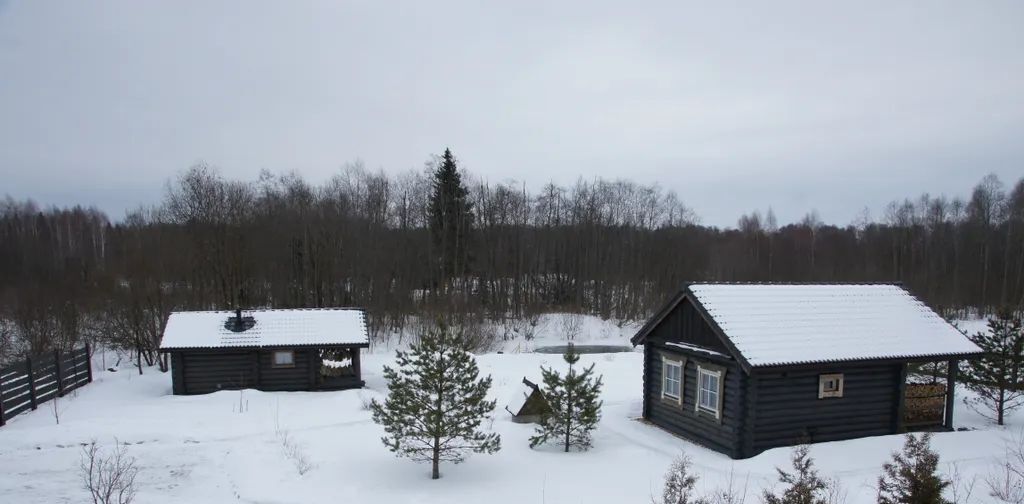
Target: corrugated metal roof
[(293, 327), (777, 324)]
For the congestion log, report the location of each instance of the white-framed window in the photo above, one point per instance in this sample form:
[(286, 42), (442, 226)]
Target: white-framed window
[(283, 358), (830, 385), (672, 379), (709, 390)]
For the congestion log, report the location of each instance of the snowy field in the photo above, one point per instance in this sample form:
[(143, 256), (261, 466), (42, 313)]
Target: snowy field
[(201, 449)]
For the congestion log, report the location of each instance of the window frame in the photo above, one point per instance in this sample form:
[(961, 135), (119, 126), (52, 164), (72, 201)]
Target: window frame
[(276, 365), (719, 373), (667, 361), (829, 394)]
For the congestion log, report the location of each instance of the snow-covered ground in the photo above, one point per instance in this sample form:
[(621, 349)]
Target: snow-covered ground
[(201, 449), (526, 335)]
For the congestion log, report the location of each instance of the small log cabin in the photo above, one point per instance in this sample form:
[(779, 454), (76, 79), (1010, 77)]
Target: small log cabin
[(741, 368), (272, 350)]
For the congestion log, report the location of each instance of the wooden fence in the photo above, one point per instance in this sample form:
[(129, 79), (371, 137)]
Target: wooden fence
[(28, 384)]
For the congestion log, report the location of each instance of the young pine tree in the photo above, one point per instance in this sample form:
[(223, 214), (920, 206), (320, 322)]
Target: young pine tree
[(436, 402), (575, 408), (804, 486), (679, 482), (998, 376), (451, 217), (912, 476)]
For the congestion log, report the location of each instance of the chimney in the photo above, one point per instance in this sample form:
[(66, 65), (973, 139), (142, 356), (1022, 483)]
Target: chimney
[(238, 318)]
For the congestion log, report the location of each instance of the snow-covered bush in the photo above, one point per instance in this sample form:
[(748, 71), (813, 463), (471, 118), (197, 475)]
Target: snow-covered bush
[(1006, 481), (679, 483), (294, 452), (109, 477), (571, 325), (731, 493)]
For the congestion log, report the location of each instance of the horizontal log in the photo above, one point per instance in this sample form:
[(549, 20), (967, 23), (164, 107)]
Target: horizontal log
[(882, 408), (45, 388), (761, 444), (7, 395), (46, 396), (821, 421), (790, 409), (12, 411), (20, 381), (11, 371)]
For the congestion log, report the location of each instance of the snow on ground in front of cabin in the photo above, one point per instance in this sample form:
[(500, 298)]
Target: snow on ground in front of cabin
[(200, 449)]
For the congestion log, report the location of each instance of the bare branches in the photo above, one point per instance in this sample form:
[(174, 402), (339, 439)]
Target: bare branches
[(109, 477), (613, 248), (1006, 481)]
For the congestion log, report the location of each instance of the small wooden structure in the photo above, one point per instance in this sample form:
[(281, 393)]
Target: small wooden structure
[(741, 368), (273, 350), (528, 405)]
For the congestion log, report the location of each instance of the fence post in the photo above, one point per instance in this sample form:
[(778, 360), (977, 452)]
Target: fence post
[(1, 407), (57, 373), (31, 382), (88, 361)]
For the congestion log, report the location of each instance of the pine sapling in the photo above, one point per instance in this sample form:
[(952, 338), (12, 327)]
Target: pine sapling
[(679, 483), (574, 409), (803, 485), (436, 402), (912, 476), (997, 378)]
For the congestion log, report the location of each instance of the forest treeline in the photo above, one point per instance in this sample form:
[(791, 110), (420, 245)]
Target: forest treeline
[(365, 238)]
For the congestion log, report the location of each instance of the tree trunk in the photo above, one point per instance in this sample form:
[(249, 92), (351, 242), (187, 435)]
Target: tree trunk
[(1000, 406), (1004, 292), (435, 471), (138, 358), (568, 411)]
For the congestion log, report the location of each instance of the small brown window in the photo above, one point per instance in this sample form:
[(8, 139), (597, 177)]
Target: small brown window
[(284, 358), (830, 385)]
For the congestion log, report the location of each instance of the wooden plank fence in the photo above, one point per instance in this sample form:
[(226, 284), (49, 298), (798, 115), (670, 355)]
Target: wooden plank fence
[(28, 384)]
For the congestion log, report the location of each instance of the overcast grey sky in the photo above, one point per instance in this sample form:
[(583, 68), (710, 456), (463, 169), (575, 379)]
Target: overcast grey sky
[(798, 105)]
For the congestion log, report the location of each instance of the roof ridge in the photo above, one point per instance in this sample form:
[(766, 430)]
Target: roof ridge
[(256, 310), (686, 285)]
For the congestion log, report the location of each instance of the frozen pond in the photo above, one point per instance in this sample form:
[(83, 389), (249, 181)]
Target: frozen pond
[(585, 349)]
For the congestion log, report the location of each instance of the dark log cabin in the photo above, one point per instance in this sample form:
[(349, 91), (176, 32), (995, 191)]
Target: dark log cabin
[(272, 350), (741, 368)]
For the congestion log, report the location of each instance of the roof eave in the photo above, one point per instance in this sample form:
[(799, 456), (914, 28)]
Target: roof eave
[(265, 347), (880, 360), (683, 294)]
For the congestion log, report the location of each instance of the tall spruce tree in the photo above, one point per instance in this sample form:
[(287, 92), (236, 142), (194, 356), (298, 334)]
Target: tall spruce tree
[(436, 402), (451, 218), (996, 378), (912, 476), (575, 408)]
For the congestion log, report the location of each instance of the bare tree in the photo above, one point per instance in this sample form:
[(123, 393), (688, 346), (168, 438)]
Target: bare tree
[(109, 477)]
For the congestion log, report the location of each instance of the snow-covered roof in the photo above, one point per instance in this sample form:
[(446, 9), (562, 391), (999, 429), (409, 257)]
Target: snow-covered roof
[(775, 324), (298, 327)]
